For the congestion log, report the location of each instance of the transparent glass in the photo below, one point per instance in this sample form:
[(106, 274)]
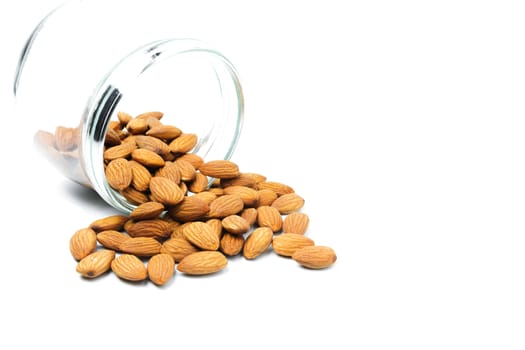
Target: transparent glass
[(87, 60)]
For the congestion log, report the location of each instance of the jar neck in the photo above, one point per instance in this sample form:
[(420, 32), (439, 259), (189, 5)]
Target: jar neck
[(153, 77)]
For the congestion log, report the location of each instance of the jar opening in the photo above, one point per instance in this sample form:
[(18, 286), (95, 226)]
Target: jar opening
[(196, 88)]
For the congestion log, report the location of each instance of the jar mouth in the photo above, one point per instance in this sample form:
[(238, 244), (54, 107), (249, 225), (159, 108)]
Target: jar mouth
[(181, 77)]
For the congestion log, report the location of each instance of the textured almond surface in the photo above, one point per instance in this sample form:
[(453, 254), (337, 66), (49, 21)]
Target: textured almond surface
[(231, 244), (296, 223), (129, 267), (95, 264), (157, 228), (147, 158), (141, 246), (287, 243), (165, 191), (112, 222), (288, 203), (220, 169), (202, 263), (235, 224), (148, 210), (277, 187), (112, 239), (161, 268), (257, 242), (178, 248), (315, 257), (269, 217), (184, 143), (82, 243), (225, 205), (249, 196), (201, 235), (190, 209)]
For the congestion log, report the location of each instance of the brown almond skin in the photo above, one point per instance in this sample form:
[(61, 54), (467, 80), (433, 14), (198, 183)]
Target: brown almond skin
[(269, 217), (201, 235), (112, 222), (166, 191), (296, 223), (124, 118), (266, 197), (156, 228), (315, 257), (216, 226), (118, 174), (193, 159), (186, 169), (153, 144), (183, 144), (129, 267), (244, 179), (190, 209), (140, 176), (178, 248), (137, 126), (95, 264), (121, 151), (148, 210), (164, 132), (235, 224), (202, 263), (206, 196), (288, 203), (147, 158), (170, 171), (225, 205), (287, 243), (134, 196), (249, 196), (250, 215), (277, 187), (221, 169), (112, 239), (141, 246), (199, 183), (231, 245), (82, 243), (161, 268), (257, 242), (151, 114)]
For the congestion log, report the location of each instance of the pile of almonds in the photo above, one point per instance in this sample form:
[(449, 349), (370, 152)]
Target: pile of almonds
[(190, 214)]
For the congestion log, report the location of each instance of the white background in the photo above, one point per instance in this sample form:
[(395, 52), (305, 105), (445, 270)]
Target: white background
[(401, 124)]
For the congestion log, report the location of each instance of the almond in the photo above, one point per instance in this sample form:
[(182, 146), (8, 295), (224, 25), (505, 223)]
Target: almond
[(82, 243), (235, 224), (277, 187), (231, 244), (161, 268), (315, 257), (119, 174), (124, 117), (287, 243), (112, 239), (199, 183), (193, 159), (112, 138), (225, 205), (250, 215), (266, 197), (244, 179), (201, 235), (288, 203), (129, 267), (216, 226), (186, 169), (190, 209), (112, 222), (66, 139), (141, 246), (178, 248), (156, 228), (148, 210), (134, 196), (95, 264), (153, 144), (257, 242), (205, 196), (269, 217), (137, 126), (164, 132), (296, 223), (152, 114), (202, 263), (121, 151), (220, 169), (170, 171), (249, 196), (165, 191), (147, 158), (183, 144)]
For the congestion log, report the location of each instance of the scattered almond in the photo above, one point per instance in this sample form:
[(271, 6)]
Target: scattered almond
[(257, 242), (129, 267), (82, 243), (95, 264), (161, 268), (287, 243), (296, 223), (202, 263), (315, 257)]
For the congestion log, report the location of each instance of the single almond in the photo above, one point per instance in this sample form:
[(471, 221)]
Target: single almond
[(225, 205), (186, 169), (184, 143), (152, 114), (147, 158), (287, 243), (205, 196), (156, 228), (231, 245), (216, 226), (141, 246), (178, 248), (121, 151), (178, 232), (124, 117), (250, 215), (201, 235), (315, 257), (257, 242), (277, 187), (134, 196), (244, 179), (164, 132), (82, 243), (193, 159), (170, 171), (199, 183), (112, 138), (235, 224), (202, 263), (129, 267), (119, 174), (222, 169), (249, 196), (148, 210), (161, 268), (266, 197), (112, 222), (269, 217), (296, 223), (153, 144), (137, 126), (95, 264), (190, 209), (165, 191), (112, 239), (288, 203)]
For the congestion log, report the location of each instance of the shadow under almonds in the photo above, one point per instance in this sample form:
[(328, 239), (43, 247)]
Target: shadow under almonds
[(83, 195)]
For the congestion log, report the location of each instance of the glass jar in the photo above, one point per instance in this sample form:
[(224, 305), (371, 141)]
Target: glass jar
[(88, 60)]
